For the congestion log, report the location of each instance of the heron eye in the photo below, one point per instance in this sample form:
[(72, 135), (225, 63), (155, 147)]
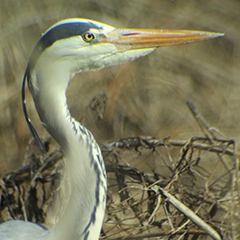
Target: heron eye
[(88, 37)]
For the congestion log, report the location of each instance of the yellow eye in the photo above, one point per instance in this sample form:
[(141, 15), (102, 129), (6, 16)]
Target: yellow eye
[(88, 37)]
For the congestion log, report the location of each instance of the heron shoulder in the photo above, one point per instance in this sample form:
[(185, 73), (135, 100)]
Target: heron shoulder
[(22, 230)]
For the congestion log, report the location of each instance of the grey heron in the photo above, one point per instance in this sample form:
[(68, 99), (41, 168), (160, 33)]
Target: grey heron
[(69, 47)]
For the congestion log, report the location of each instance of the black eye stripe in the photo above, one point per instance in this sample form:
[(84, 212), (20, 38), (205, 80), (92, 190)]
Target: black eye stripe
[(57, 33)]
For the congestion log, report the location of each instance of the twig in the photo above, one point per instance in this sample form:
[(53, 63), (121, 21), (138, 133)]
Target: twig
[(191, 215), (135, 142)]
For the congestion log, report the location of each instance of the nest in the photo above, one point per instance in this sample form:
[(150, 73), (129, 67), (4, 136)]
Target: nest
[(164, 189)]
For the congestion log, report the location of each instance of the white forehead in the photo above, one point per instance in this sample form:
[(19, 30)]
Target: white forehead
[(103, 26)]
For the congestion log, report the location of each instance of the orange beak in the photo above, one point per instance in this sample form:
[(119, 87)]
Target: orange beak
[(152, 38)]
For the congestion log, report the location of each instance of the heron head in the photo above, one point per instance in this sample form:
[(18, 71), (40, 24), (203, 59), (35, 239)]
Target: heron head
[(79, 45)]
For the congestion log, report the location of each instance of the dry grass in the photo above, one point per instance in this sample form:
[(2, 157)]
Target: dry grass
[(143, 98), (144, 175)]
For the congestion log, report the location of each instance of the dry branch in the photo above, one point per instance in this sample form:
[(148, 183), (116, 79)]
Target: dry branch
[(138, 200)]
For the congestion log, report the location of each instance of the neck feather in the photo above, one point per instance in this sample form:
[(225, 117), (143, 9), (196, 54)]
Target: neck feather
[(85, 168)]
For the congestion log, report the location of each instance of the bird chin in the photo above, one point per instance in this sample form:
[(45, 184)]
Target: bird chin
[(119, 57), (125, 56)]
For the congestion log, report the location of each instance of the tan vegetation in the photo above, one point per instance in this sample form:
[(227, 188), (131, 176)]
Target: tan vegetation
[(144, 98)]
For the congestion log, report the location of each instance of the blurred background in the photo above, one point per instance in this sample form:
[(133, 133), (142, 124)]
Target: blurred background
[(146, 97)]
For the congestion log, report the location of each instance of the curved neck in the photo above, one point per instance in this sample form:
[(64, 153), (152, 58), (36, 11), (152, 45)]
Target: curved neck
[(85, 168)]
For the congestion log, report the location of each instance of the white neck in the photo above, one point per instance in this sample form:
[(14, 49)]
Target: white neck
[(85, 168)]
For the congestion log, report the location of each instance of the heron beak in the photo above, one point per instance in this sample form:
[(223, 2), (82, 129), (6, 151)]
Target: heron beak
[(153, 38)]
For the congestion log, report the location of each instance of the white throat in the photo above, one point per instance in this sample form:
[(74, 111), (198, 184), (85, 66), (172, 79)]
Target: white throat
[(84, 164)]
